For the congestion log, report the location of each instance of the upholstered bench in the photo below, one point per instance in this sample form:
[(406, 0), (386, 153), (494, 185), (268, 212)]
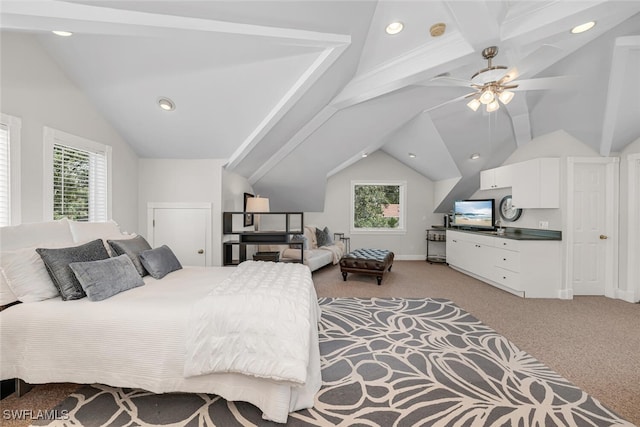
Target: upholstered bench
[(374, 262)]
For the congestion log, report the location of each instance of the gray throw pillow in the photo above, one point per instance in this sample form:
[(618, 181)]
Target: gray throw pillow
[(160, 261), (105, 278), (300, 238), (132, 248), (57, 262), (323, 237)]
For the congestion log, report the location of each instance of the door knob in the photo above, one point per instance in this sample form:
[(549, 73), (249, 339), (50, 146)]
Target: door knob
[(603, 237), (201, 251)]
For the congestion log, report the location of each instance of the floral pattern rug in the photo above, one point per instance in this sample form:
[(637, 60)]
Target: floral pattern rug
[(385, 362)]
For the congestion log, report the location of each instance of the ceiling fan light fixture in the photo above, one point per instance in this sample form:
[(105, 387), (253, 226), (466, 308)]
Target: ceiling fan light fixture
[(487, 96), (506, 96), (474, 104), (493, 106), (583, 27), (394, 28)]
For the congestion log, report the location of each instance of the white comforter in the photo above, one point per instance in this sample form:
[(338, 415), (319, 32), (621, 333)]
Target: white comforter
[(137, 339), (256, 322)]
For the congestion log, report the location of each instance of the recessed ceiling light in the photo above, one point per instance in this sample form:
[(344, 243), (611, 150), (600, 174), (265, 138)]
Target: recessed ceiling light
[(583, 27), (413, 156), (394, 28), (62, 33), (475, 156), (166, 104), (364, 155)]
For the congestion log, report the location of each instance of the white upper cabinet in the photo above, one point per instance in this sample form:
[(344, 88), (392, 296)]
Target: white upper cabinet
[(534, 183), (537, 184), (496, 178)]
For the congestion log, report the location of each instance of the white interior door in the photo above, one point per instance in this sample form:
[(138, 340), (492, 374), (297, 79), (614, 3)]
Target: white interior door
[(592, 221), (185, 229)]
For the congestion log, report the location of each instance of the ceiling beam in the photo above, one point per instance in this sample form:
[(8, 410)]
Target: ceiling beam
[(623, 47)]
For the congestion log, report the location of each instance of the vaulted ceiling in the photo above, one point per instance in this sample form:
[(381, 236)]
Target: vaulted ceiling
[(291, 92)]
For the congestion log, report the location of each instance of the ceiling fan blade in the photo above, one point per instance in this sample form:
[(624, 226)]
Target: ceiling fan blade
[(533, 63), (445, 81), (545, 83), (449, 102)]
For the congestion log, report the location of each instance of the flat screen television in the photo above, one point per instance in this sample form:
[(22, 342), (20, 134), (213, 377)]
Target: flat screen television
[(474, 214)]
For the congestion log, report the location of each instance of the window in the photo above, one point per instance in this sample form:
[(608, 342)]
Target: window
[(9, 170), (378, 207), (78, 180)]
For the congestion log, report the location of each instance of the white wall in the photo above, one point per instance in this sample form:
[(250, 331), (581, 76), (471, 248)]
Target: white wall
[(380, 166), (629, 248), (36, 90), (182, 181)]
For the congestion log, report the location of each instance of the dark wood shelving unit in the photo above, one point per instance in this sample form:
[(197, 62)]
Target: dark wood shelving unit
[(244, 237)]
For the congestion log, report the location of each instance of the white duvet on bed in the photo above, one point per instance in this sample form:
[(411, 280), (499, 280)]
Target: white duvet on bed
[(137, 339), (256, 322)]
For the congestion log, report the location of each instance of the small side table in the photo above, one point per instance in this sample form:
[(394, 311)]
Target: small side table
[(345, 240)]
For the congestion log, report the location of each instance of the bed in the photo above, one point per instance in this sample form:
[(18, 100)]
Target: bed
[(179, 334)]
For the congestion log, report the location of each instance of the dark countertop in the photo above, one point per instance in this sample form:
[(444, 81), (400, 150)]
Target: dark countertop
[(519, 233)]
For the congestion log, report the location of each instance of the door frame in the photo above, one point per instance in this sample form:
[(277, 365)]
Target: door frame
[(633, 229), (208, 207), (612, 199)]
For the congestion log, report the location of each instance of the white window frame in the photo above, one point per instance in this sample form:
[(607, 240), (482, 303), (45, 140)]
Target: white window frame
[(53, 136), (402, 225), (14, 128)]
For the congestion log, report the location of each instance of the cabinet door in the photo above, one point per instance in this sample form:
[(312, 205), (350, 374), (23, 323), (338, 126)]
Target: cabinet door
[(496, 178), (536, 184), (503, 176), (487, 179)]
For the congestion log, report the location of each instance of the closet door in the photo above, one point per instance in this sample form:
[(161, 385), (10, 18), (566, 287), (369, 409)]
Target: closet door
[(185, 228)]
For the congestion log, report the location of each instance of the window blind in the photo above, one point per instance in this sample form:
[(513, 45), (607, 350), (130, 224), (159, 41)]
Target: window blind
[(79, 184), (5, 177)]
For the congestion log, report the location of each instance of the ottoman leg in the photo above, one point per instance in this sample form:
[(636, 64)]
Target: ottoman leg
[(379, 280), (344, 276)]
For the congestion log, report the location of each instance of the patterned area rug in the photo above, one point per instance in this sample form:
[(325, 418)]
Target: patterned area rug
[(385, 362)]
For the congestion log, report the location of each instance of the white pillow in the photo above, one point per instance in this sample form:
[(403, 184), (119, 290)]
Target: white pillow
[(6, 294), (26, 275), (31, 234), (89, 231)]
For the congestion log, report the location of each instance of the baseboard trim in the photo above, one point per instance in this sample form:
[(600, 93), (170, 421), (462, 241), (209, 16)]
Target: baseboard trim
[(628, 296), (409, 257), (565, 294)]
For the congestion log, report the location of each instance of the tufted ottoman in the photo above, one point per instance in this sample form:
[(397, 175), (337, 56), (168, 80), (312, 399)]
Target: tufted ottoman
[(367, 261)]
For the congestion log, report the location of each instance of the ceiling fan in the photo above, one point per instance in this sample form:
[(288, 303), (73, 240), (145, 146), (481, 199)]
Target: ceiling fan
[(496, 84)]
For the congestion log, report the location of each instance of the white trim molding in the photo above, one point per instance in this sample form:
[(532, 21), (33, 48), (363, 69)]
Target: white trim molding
[(14, 128), (632, 293)]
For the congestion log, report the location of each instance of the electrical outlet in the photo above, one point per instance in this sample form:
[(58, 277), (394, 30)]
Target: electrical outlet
[(543, 225)]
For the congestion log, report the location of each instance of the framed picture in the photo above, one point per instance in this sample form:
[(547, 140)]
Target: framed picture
[(248, 218)]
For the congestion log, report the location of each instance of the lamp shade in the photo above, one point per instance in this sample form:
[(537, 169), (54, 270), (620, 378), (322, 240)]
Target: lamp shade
[(506, 96), (493, 106), (257, 204), (474, 104)]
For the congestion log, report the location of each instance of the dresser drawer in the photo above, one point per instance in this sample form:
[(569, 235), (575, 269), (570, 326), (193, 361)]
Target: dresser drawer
[(508, 260), (508, 278), (508, 244)]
